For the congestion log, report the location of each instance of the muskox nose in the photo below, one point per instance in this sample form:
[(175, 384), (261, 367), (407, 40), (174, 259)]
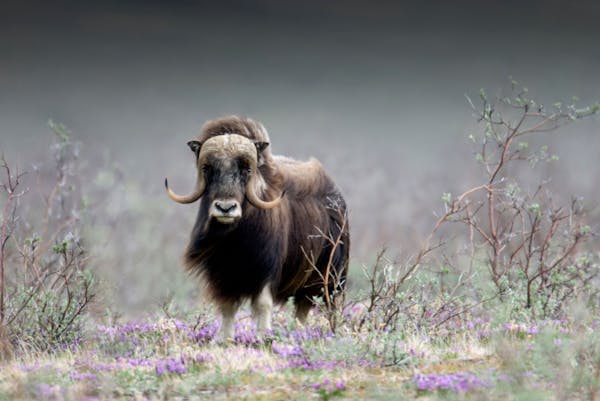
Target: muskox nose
[(226, 207), (225, 211)]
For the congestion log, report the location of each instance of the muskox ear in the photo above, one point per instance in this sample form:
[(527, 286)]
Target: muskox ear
[(195, 147), (260, 146)]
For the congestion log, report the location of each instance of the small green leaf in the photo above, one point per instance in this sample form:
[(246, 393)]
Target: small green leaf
[(535, 208), (482, 94), (60, 130), (447, 198), (60, 247)]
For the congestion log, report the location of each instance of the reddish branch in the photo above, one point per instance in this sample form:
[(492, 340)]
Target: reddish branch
[(10, 187)]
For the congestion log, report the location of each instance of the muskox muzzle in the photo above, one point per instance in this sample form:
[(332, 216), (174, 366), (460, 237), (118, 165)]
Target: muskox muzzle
[(229, 146), (225, 211)]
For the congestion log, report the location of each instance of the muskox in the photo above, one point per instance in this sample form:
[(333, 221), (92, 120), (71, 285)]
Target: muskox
[(268, 227)]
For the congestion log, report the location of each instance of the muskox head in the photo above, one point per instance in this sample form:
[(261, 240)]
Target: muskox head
[(228, 174)]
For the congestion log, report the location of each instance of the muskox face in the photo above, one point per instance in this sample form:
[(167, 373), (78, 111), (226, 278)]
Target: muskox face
[(226, 180), (227, 175)]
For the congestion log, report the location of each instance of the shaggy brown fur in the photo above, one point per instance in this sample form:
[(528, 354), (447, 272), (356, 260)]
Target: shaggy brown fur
[(282, 246)]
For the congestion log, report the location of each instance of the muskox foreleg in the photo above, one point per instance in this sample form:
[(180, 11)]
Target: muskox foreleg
[(262, 308), (228, 311)]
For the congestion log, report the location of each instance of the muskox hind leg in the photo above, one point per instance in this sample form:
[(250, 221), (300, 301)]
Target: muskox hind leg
[(302, 305), (262, 308)]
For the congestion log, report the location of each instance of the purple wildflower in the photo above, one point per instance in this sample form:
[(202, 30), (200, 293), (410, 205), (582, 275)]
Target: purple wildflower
[(160, 369), (30, 368), (306, 364), (205, 333), (459, 382), (286, 351), (75, 375), (202, 358), (245, 336), (327, 387), (48, 392), (171, 365), (132, 362), (179, 325)]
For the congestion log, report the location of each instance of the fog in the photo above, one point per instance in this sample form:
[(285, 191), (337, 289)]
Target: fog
[(376, 90)]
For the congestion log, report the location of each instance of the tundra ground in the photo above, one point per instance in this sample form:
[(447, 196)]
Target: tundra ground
[(173, 359)]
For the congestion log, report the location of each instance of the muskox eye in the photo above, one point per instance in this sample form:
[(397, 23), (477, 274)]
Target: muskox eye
[(244, 167), (206, 168)]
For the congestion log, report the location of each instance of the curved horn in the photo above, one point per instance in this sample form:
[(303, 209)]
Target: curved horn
[(200, 183), (251, 194), (193, 197)]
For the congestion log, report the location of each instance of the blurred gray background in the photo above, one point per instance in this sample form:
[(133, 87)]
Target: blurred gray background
[(373, 89)]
